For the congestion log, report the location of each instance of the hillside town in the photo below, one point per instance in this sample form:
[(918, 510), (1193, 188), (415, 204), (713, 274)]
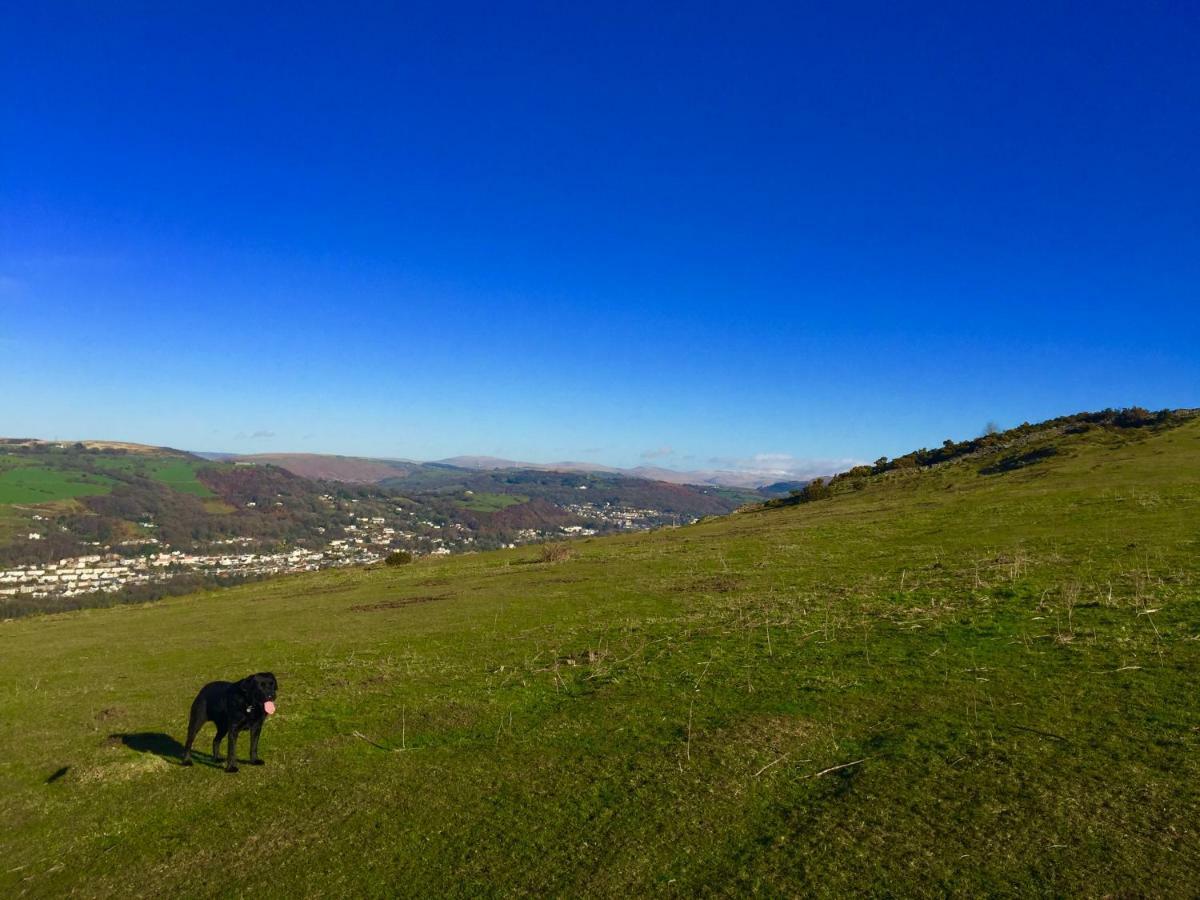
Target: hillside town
[(625, 518), (146, 561)]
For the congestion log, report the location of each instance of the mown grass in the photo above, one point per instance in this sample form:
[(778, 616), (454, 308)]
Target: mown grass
[(945, 682)]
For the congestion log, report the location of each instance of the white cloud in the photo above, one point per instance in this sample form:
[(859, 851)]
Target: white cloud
[(785, 466)]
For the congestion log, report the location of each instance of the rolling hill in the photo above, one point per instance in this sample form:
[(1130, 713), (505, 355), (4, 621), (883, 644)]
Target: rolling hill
[(705, 477), (972, 676), (363, 470), (60, 500), (323, 467), (67, 505)]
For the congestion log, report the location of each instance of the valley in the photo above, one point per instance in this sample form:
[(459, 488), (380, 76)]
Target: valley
[(95, 524)]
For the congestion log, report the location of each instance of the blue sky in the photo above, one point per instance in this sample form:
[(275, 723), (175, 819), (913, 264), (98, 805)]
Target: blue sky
[(738, 235)]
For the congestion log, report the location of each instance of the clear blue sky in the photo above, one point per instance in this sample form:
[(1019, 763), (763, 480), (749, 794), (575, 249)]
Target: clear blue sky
[(620, 232)]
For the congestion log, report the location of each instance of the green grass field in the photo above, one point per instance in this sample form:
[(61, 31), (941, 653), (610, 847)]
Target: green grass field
[(491, 502), (22, 482), (35, 481), (179, 474), (945, 683)]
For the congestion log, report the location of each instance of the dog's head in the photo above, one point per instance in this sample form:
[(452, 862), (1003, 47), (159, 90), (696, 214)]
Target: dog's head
[(260, 690)]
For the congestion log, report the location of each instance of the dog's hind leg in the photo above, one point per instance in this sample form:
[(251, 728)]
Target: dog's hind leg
[(222, 730), (195, 723), (231, 759)]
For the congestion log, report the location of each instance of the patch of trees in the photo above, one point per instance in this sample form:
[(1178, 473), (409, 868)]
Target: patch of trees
[(817, 489), (52, 547)]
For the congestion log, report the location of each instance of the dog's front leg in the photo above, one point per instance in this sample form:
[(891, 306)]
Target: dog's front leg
[(255, 731), (231, 758)]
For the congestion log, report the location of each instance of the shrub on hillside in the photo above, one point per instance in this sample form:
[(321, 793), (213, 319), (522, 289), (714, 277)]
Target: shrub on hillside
[(398, 558), (555, 552), (1136, 417), (816, 489)]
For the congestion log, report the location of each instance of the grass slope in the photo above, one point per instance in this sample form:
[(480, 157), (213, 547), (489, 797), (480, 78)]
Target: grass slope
[(944, 682), (491, 502), (33, 480), (26, 482), (174, 472)]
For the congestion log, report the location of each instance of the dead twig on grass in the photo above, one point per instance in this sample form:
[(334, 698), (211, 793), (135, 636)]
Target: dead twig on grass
[(836, 768), (1049, 734), (385, 749), (768, 765), (688, 748), (376, 744)]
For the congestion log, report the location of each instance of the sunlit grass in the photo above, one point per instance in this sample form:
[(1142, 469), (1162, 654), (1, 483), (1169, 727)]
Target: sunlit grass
[(945, 682)]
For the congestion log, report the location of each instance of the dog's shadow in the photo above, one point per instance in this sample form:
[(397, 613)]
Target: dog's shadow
[(162, 745)]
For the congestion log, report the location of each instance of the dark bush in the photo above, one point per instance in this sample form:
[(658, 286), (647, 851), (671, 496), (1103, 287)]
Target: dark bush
[(816, 489), (1134, 417), (398, 558)]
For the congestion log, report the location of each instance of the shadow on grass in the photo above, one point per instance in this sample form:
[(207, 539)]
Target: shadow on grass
[(1019, 461), (162, 745), (58, 774)]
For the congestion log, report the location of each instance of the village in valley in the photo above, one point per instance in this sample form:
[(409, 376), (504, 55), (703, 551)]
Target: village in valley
[(369, 539), (97, 523)]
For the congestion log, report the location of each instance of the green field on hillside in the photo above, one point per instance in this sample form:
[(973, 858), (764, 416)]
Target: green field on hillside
[(24, 482), (491, 502), (945, 682), (44, 480), (179, 474)]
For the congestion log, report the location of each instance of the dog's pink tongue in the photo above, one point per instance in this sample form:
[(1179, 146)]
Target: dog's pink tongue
[(269, 706)]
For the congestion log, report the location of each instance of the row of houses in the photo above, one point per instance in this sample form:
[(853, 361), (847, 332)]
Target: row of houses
[(108, 573)]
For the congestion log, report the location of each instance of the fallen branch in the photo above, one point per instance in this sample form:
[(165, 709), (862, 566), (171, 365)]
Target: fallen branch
[(835, 768), (768, 765), (363, 737), (1049, 734)]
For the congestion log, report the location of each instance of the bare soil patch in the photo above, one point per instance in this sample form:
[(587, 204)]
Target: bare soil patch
[(398, 602), (711, 584)]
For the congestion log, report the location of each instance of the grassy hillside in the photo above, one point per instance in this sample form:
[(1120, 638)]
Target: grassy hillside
[(36, 473), (976, 678), (77, 498), (486, 502), (323, 467)]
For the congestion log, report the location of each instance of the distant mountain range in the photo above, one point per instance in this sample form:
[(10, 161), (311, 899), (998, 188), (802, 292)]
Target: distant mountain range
[(366, 470), (326, 467)]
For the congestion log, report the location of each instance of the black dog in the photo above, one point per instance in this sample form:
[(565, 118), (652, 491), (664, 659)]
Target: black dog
[(234, 707)]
